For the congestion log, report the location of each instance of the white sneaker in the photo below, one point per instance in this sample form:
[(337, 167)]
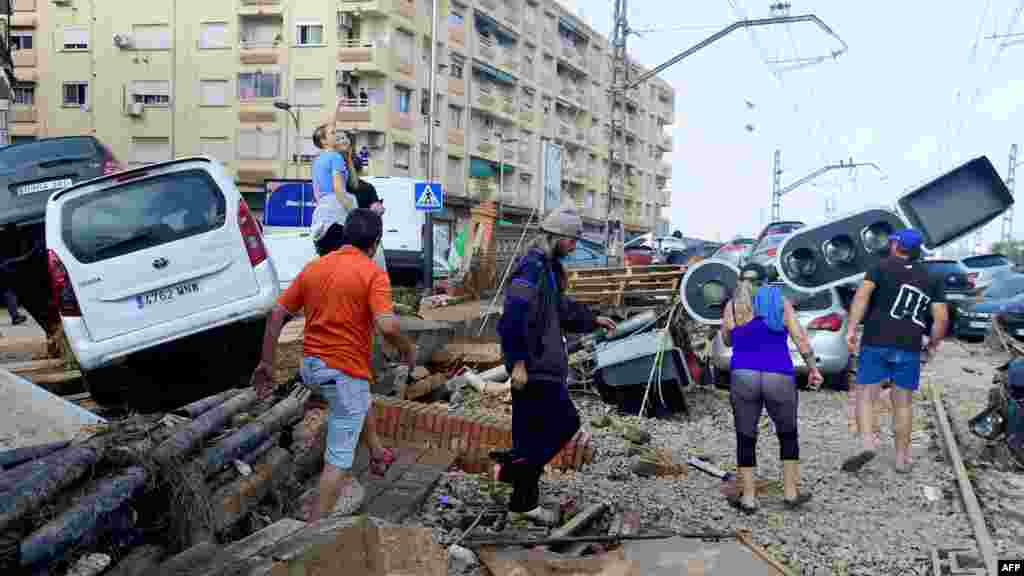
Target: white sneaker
[(351, 499), (538, 515)]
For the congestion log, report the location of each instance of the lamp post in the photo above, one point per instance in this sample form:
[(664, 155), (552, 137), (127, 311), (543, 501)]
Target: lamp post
[(501, 169), (291, 110)]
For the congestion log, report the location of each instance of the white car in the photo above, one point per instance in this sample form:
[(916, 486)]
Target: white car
[(984, 268), (162, 280)]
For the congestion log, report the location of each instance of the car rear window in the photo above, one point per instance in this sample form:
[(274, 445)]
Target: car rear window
[(12, 157), (141, 214), (987, 261), (783, 228), (944, 267), (804, 302), (772, 241)]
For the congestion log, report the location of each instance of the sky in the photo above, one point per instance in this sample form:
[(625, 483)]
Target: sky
[(919, 92)]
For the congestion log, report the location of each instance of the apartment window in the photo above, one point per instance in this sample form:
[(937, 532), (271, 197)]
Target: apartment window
[(156, 93), (260, 31), (402, 152), (309, 34), (75, 38), (404, 45), (252, 85), (308, 151), (455, 117), (25, 95), (309, 92), (22, 41), (455, 18), (455, 172), (76, 94), (259, 144), (219, 148), (150, 150), (213, 35), (402, 98), (456, 66), (152, 36), (213, 92)]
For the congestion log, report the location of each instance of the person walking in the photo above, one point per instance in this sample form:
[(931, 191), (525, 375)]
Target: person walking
[(343, 296), (535, 313), (894, 301), (756, 322), (333, 202)]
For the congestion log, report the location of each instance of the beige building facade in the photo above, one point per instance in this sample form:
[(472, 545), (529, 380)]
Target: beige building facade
[(160, 79)]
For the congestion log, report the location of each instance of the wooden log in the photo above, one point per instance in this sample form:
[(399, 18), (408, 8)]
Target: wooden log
[(234, 501), (230, 473), (309, 445), (190, 561), (46, 477), (191, 435), (11, 458), (249, 437), (90, 518), (199, 407), (141, 561), (238, 558)]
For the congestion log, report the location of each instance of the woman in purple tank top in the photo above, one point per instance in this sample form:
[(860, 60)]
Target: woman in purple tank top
[(757, 322)]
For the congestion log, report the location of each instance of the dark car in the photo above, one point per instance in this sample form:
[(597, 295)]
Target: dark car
[(976, 317), (1011, 316), (958, 286), (29, 174)]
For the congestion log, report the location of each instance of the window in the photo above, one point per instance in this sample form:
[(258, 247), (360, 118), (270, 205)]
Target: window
[(22, 41), (258, 31), (986, 261), (219, 148), (252, 85), (25, 95), (76, 38), (455, 18), (156, 93), (150, 150), (213, 35), (402, 98), (152, 36), (455, 172), (455, 68), (213, 92), (455, 117), (309, 92), (309, 34), (142, 214), (76, 94), (259, 144), (404, 46), (402, 152)]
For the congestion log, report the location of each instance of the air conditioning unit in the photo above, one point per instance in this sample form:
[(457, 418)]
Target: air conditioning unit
[(375, 141), (344, 20), (135, 109), (123, 40)]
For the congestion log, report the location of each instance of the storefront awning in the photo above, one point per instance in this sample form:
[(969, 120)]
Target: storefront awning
[(481, 168), (488, 25), (493, 73)]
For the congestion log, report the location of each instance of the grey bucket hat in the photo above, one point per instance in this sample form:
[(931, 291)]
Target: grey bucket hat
[(564, 221)]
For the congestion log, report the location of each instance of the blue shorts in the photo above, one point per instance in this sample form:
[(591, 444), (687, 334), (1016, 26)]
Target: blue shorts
[(349, 401), (879, 363)]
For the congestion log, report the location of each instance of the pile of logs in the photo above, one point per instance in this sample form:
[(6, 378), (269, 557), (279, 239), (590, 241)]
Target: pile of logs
[(66, 504)]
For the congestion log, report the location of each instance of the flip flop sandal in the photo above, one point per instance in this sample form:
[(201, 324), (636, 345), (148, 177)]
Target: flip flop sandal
[(800, 500), (737, 503), (855, 463), (380, 465), (906, 469)]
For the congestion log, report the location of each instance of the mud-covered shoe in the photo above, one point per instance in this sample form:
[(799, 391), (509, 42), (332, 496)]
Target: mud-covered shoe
[(538, 515), (351, 499), (858, 461)]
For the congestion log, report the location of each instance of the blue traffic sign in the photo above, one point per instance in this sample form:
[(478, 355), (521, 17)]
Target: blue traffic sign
[(428, 196)]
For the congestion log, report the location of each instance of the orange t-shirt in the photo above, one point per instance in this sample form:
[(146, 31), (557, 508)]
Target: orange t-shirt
[(341, 294)]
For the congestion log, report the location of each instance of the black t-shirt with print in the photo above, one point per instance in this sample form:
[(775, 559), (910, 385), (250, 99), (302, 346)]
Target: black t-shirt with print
[(900, 306)]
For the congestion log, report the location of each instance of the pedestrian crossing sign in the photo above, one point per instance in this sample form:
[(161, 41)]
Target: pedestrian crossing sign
[(428, 196)]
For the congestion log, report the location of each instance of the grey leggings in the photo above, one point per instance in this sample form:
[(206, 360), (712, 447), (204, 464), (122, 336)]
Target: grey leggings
[(777, 393)]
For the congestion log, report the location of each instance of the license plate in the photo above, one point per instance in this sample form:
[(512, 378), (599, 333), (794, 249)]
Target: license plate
[(44, 186), (979, 324), (166, 295), (956, 296)]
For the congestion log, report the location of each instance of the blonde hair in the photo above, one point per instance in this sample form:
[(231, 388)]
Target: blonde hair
[(743, 303)]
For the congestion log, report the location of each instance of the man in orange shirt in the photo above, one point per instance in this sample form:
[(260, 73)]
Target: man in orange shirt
[(343, 295)]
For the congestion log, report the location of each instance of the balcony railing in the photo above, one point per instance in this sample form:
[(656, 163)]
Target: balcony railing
[(485, 48), (564, 129), (489, 4), (508, 104), (484, 97)]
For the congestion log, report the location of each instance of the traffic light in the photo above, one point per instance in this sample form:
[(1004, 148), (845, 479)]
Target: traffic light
[(707, 287), (837, 252)]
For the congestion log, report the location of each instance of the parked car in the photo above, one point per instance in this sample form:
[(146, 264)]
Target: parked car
[(823, 316), (587, 255), (780, 227), (734, 251), (975, 319), (31, 172), (765, 250), (639, 251), (161, 276), (956, 282), (984, 268)]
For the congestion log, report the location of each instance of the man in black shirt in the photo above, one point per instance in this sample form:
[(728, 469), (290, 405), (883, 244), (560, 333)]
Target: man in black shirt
[(894, 301)]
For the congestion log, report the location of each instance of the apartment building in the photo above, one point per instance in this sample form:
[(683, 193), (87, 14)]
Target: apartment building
[(165, 78)]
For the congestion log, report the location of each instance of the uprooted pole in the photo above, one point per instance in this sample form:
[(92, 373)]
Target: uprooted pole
[(191, 435), (17, 456), (233, 501)]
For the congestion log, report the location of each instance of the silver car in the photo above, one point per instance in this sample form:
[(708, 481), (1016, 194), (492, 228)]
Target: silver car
[(823, 316), (984, 268), (765, 253)]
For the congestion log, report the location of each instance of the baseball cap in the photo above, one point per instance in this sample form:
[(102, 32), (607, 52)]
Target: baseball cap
[(907, 239), (563, 222)]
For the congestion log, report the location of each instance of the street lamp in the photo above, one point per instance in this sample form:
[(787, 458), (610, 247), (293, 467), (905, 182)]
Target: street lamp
[(291, 110), (501, 168)]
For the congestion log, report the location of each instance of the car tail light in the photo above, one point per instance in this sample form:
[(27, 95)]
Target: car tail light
[(832, 323), (771, 252), (63, 293), (972, 279), (251, 234)]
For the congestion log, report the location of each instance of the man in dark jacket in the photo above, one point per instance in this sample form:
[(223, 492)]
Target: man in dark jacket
[(536, 312)]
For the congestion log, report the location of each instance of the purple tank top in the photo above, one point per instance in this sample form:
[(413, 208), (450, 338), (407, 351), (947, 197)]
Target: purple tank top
[(756, 347)]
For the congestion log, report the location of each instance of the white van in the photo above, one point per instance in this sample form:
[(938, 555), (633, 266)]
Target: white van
[(160, 272), (292, 248)]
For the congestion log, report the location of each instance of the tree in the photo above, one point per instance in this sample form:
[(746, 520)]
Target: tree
[(1014, 250)]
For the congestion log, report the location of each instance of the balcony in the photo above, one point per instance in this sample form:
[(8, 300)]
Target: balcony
[(508, 60), (572, 56), (486, 50), (19, 113), (402, 121), (456, 137), (406, 8), (404, 66), (260, 39), (484, 97), (664, 169), (489, 5), (482, 189), (510, 15), (24, 58), (665, 142), (483, 145), (256, 113), (526, 70), (457, 35), (455, 186), (356, 55), (565, 129), (525, 157), (507, 106), (527, 118), (456, 87), (259, 53), (23, 5), (581, 135), (354, 114)]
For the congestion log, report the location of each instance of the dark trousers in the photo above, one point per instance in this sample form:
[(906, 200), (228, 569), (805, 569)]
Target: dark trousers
[(752, 392), (525, 480), (12, 303)]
